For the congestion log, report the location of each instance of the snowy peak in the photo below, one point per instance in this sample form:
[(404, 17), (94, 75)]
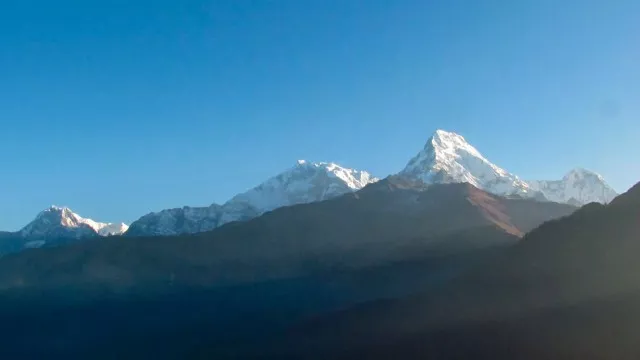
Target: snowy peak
[(185, 220), (110, 229), (579, 186), (64, 215), (580, 174), (305, 182), (449, 158), (445, 143), (58, 221), (55, 215), (354, 179)]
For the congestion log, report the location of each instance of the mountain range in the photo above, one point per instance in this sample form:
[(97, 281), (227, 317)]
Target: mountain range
[(56, 226), (304, 183), (397, 268), (453, 257), (446, 158), (61, 222), (569, 289), (390, 220)]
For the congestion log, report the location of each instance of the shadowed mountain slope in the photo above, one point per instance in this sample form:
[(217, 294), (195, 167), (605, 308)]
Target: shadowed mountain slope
[(207, 294), (569, 289)]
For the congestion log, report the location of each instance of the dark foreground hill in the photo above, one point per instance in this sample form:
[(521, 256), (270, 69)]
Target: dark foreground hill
[(210, 294), (570, 289)]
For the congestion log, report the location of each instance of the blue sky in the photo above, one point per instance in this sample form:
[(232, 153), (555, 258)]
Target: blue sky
[(118, 108)]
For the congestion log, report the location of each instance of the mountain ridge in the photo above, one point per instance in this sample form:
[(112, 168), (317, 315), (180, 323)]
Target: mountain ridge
[(579, 186), (55, 220), (559, 275), (446, 157), (303, 183), (57, 225), (384, 222)]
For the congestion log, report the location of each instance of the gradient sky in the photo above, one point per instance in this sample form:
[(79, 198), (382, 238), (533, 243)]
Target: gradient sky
[(119, 108)]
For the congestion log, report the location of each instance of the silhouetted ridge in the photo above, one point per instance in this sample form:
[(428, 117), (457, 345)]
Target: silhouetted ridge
[(578, 273), (631, 197)]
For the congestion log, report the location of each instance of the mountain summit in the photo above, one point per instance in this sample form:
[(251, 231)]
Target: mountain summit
[(55, 226), (447, 157), (578, 186), (61, 222), (305, 182)]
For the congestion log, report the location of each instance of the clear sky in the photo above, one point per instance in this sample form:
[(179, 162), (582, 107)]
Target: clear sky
[(118, 108)]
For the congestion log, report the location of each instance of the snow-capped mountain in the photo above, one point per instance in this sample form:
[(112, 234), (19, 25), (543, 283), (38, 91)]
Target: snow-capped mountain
[(449, 158), (446, 158), (56, 226), (61, 222), (579, 186), (177, 221), (306, 182)]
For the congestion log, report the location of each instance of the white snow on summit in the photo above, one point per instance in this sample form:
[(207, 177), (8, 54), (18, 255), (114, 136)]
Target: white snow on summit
[(306, 182), (109, 229), (579, 186), (449, 158), (185, 220), (62, 222)]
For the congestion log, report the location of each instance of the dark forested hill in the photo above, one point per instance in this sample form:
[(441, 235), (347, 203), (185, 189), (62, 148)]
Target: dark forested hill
[(569, 289)]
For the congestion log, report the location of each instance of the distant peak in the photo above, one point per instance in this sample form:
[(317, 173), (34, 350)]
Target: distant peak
[(55, 217), (446, 134), (447, 144), (58, 208), (305, 164), (447, 137), (322, 165), (449, 158), (579, 173), (54, 209)]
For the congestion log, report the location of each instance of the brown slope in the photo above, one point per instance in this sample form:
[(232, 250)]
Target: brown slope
[(562, 292), (388, 221)]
